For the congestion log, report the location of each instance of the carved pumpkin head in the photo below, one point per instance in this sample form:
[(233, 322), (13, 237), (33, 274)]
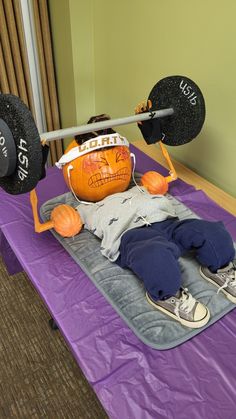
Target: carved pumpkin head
[(99, 173)]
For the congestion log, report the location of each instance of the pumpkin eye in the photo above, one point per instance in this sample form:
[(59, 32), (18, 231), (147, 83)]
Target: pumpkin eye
[(119, 157), (102, 162)]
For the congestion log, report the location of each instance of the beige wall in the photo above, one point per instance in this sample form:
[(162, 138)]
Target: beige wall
[(120, 49)]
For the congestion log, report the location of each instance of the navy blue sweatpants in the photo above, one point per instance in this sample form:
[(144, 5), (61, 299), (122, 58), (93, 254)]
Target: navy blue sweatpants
[(152, 252)]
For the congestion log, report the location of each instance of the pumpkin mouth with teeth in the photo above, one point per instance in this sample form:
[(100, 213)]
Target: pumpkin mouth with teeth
[(100, 179)]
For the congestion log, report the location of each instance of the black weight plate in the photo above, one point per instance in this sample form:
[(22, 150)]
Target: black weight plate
[(7, 150), (20, 122), (185, 97)]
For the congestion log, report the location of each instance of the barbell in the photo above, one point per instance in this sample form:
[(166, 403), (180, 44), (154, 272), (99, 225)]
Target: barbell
[(177, 104)]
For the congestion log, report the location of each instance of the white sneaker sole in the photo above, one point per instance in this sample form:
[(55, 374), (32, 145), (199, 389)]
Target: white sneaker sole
[(191, 324), (229, 296)]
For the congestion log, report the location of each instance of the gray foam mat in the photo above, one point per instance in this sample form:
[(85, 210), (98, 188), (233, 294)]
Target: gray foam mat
[(125, 292)]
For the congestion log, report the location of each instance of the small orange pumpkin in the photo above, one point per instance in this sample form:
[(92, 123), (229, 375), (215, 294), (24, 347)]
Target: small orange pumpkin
[(66, 220), (99, 173), (155, 183)]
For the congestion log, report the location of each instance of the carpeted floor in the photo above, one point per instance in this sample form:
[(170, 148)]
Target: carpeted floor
[(38, 376)]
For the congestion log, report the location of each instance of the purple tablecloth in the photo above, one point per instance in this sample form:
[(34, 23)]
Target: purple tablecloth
[(195, 380)]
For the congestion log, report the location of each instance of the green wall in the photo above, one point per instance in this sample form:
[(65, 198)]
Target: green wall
[(73, 45), (62, 48), (120, 49)]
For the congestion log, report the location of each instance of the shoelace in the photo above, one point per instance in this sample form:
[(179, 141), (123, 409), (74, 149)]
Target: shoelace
[(230, 279), (186, 302)]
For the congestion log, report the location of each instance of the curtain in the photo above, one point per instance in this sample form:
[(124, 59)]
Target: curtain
[(14, 67)]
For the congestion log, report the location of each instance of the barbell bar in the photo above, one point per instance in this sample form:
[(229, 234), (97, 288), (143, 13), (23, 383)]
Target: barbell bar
[(98, 126), (177, 103)]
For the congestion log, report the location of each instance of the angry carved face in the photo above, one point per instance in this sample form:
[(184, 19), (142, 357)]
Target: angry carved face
[(99, 173)]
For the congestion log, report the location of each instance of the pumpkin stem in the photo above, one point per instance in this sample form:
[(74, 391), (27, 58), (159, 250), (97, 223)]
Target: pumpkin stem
[(38, 227)]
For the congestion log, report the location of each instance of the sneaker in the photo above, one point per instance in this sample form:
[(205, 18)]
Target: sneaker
[(224, 279), (184, 308)]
